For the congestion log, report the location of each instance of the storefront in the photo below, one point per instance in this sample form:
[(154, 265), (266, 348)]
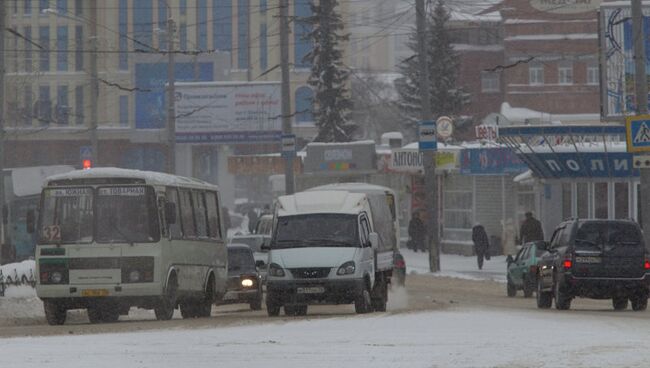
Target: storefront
[(579, 171)]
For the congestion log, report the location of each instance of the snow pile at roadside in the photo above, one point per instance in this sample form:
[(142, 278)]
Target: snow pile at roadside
[(469, 338), (26, 269), (456, 266)]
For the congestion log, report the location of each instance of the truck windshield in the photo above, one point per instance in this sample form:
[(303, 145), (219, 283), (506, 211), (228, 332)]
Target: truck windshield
[(108, 215), (316, 230)]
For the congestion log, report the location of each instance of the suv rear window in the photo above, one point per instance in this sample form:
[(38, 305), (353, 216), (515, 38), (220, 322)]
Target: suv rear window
[(599, 233)]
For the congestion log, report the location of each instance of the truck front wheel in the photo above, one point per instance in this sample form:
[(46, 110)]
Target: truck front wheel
[(363, 303)]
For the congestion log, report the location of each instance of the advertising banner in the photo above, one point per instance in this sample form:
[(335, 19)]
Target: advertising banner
[(583, 165), (490, 161), (410, 161), (228, 112)]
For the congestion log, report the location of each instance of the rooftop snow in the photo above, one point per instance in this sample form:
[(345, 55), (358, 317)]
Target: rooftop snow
[(150, 177), (319, 202), (548, 37)]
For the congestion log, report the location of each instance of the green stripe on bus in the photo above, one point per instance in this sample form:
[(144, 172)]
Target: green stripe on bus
[(53, 260)]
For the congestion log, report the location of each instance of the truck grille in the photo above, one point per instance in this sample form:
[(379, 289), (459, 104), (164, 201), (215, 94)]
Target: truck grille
[(310, 273)]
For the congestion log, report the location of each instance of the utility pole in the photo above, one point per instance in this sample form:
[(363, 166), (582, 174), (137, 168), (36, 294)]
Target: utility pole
[(94, 85), (286, 92), (2, 130), (429, 158), (641, 89), (171, 96)]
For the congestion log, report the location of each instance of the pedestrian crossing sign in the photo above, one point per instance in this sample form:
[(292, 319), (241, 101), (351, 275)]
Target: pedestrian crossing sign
[(638, 133)]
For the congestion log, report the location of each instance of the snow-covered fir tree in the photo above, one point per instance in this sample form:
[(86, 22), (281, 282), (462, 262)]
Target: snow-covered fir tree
[(328, 77), (446, 97)]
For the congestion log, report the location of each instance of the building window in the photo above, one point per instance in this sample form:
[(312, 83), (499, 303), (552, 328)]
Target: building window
[(42, 5), (62, 106), (183, 7), (264, 58), (78, 7), (182, 35), (79, 105), (124, 111), (536, 75), (28, 106), (302, 47), (490, 82), (79, 43), (525, 201), (44, 105), (565, 74), (142, 23), (44, 41), (123, 62), (304, 105), (622, 200), (582, 195), (592, 75), (458, 208), (243, 14), (27, 7), (28, 49), (162, 24), (62, 6), (202, 24), (600, 200), (62, 48), (567, 201), (222, 25)]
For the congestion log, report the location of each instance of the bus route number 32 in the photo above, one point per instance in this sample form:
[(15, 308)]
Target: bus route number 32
[(52, 233)]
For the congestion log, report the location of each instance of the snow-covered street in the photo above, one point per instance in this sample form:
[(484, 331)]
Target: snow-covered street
[(458, 338)]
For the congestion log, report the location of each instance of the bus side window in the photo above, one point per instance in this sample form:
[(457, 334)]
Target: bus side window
[(175, 229), (160, 214), (200, 215), (187, 214), (213, 215)]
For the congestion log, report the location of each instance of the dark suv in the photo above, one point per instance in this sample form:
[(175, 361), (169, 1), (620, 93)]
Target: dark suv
[(598, 259)]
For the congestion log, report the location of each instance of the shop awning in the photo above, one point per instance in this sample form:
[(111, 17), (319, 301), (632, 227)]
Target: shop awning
[(571, 151)]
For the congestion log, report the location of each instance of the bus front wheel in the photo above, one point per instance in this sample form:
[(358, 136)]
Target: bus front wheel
[(165, 308), (55, 312)]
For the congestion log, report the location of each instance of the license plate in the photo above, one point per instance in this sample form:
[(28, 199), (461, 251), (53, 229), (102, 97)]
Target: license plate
[(310, 290), (94, 292), (588, 260)]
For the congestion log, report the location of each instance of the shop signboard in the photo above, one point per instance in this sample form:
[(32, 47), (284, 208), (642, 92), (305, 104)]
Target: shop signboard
[(341, 157), (260, 165), (560, 165), (410, 161), (490, 161), (228, 112)]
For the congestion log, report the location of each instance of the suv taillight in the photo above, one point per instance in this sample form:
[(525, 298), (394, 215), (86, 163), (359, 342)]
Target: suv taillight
[(646, 265), (568, 261)]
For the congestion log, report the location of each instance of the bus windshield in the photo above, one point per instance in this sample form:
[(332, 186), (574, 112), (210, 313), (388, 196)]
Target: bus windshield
[(108, 215)]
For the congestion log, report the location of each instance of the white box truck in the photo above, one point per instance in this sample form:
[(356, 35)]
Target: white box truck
[(325, 250)]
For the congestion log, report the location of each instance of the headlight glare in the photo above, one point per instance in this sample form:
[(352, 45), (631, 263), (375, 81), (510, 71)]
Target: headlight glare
[(246, 282), (275, 270), (347, 268)]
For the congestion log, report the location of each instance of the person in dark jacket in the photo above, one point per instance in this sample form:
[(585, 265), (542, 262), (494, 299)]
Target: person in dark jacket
[(481, 244), (417, 232), (531, 229), (252, 220)]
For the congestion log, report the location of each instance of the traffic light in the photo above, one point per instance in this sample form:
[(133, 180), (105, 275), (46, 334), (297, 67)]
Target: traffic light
[(86, 164)]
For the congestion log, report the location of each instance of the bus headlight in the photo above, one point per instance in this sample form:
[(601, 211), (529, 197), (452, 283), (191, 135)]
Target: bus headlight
[(134, 276), (56, 277)]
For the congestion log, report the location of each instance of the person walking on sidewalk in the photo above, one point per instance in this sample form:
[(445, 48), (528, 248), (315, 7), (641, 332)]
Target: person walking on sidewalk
[(417, 232), (481, 244), (531, 229)]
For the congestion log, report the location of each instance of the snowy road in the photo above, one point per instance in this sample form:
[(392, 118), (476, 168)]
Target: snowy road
[(463, 319)]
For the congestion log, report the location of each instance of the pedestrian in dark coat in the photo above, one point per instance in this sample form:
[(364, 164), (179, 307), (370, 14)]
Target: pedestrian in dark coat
[(481, 244), (417, 232), (531, 229)]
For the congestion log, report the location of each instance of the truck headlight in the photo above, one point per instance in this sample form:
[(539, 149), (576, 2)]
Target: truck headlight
[(56, 277), (134, 276), (246, 282), (347, 268), (275, 270)]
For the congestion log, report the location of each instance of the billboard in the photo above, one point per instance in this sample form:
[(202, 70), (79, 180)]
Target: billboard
[(151, 80), (228, 112), (617, 59), (490, 161)]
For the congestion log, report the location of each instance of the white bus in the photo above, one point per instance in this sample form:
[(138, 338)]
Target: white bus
[(110, 239)]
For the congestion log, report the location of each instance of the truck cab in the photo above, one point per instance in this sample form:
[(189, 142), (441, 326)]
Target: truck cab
[(325, 250)]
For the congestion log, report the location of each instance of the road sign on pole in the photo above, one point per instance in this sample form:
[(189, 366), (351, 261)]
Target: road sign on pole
[(637, 130), (288, 145), (427, 136)]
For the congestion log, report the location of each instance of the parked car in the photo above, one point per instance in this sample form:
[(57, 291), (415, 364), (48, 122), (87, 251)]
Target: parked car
[(598, 259), (244, 284), (522, 269)]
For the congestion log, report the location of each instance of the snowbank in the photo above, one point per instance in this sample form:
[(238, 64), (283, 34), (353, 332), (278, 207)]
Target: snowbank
[(456, 266)]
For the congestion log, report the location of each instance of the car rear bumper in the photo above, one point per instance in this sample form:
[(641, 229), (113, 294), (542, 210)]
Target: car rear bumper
[(301, 291), (240, 296), (605, 288)]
